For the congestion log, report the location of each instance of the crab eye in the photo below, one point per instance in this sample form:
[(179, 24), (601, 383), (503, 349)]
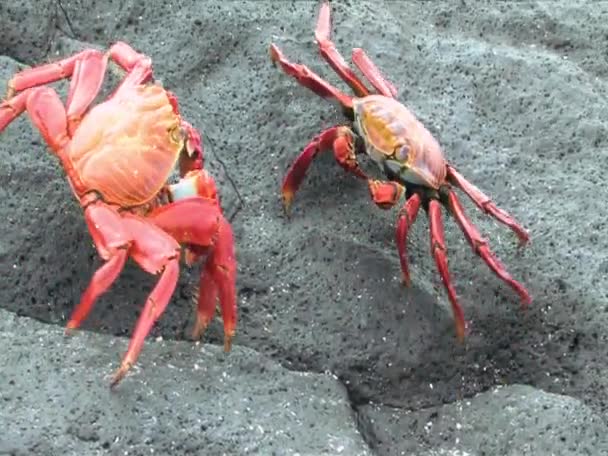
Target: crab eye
[(403, 153), (177, 134)]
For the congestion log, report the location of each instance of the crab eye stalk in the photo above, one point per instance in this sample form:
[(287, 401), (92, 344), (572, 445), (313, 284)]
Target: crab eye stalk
[(177, 134)]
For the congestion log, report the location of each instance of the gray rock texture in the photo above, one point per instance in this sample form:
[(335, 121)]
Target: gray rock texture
[(514, 420), (200, 401), (517, 94)]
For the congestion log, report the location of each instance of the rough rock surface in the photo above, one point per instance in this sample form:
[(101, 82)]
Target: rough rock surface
[(194, 400), (514, 420), (517, 94)]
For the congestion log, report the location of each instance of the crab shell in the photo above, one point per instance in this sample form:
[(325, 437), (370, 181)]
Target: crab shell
[(126, 148), (398, 142)]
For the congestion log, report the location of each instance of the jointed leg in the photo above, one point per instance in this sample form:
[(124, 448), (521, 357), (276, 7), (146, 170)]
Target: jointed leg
[(206, 301), (386, 194), (112, 242), (439, 252), (373, 74), (340, 139), (48, 115), (45, 74), (407, 217), (486, 205), (198, 222), (123, 54), (157, 253), (331, 55), (101, 282), (87, 69), (481, 248), (309, 79)]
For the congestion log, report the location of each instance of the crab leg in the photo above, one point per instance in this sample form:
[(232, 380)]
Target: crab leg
[(87, 69), (386, 194), (407, 217), (44, 74), (331, 55), (123, 54), (112, 241), (309, 79), (12, 108), (49, 116), (373, 74), (340, 138), (206, 299), (101, 282), (157, 253), (199, 222), (439, 252), (484, 203), (481, 248)]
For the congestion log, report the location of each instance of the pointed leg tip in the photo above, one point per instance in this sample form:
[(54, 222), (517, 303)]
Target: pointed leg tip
[(70, 328), (461, 331), (287, 200), (228, 342), (120, 374), (117, 378), (275, 53), (199, 329)]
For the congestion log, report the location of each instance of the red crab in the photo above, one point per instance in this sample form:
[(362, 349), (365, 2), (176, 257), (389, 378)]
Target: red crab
[(118, 157), (405, 151)]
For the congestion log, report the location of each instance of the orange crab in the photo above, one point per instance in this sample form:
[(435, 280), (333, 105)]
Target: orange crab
[(118, 157), (405, 151)]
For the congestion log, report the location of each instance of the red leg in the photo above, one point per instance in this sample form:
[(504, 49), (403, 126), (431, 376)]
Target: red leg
[(127, 57), (89, 72), (407, 217), (198, 221), (85, 84), (339, 138), (373, 74), (223, 268), (12, 108), (386, 194), (112, 241), (206, 300), (87, 69), (157, 253), (486, 205), (481, 248), (331, 55), (439, 251), (44, 74), (306, 77), (49, 116)]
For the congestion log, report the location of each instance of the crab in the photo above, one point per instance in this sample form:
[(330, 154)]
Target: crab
[(409, 157), (118, 157)]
